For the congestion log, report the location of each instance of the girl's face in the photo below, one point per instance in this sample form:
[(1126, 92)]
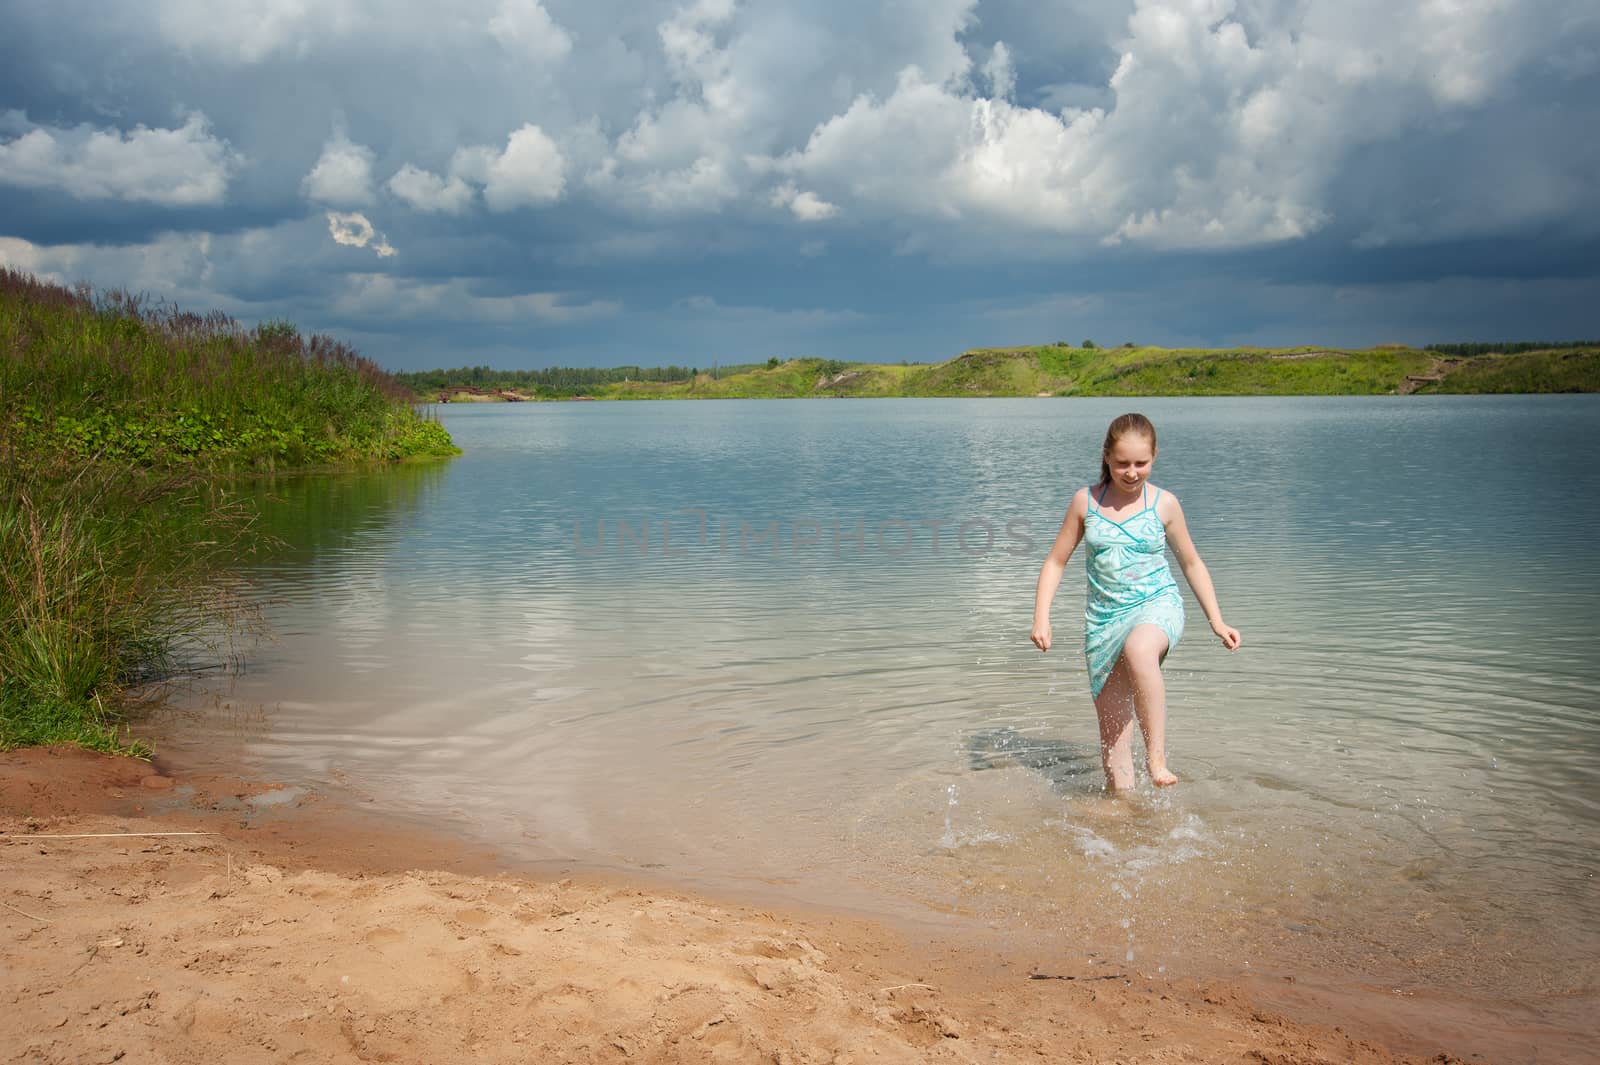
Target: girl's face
[(1130, 460)]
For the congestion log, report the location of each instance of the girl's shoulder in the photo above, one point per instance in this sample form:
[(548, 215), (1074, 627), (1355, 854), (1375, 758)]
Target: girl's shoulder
[(1166, 503)]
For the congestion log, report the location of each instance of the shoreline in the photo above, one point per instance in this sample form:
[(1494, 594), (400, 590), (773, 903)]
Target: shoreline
[(318, 924)]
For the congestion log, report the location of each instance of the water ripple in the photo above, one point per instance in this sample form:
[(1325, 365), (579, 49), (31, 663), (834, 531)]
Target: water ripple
[(1403, 758)]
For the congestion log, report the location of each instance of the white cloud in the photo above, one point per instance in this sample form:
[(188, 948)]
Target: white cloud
[(683, 154), (248, 31), (254, 32), (529, 172), (175, 265), (746, 81), (427, 191), (1223, 125), (807, 206), (385, 296), (999, 72), (44, 262), (526, 28), (1226, 123), (182, 167), (355, 231), (342, 176)]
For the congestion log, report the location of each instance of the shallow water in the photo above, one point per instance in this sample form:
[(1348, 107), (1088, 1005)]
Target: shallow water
[(1394, 781)]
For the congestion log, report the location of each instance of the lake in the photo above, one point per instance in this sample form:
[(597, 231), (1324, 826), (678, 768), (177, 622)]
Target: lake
[(783, 646)]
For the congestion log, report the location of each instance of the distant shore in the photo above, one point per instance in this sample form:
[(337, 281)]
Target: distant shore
[(1056, 370), (287, 924)]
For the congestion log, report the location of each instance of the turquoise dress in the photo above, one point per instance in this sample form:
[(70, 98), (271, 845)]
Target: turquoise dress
[(1129, 584)]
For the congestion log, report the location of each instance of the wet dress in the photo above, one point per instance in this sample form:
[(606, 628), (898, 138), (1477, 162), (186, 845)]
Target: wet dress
[(1129, 584)]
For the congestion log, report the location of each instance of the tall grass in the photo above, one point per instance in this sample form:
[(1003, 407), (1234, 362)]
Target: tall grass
[(110, 376), (117, 533), (109, 577)]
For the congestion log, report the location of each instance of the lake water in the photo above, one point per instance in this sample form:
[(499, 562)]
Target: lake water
[(785, 644)]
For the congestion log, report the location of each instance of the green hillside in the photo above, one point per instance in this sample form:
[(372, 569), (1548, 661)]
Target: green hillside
[(1067, 371), (1061, 370)]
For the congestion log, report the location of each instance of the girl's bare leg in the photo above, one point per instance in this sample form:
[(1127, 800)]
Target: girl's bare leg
[(1142, 653), (1114, 707)]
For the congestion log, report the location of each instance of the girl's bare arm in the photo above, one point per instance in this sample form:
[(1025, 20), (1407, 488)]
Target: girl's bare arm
[(1194, 570), (1055, 563)]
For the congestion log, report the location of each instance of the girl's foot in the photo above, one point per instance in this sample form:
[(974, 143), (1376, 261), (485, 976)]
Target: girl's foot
[(1162, 777)]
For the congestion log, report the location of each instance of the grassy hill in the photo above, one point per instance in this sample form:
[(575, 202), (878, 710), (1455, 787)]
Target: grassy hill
[(1060, 370)]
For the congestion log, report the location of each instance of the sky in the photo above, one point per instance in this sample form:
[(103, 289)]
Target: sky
[(529, 183)]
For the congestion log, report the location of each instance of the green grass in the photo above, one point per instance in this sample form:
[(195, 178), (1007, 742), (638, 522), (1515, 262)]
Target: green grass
[(1062, 370), (1534, 371), (1252, 372), (119, 423)]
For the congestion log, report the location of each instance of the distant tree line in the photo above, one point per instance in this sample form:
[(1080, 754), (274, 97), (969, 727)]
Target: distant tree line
[(555, 380), (1508, 347)]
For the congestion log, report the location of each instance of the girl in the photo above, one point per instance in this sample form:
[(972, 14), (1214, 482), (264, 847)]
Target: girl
[(1135, 612)]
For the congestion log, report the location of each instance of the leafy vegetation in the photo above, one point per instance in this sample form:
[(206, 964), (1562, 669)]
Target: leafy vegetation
[(560, 381), (1515, 347), (108, 377), (117, 533)]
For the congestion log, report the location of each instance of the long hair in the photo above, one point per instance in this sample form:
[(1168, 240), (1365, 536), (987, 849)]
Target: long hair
[(1127, 423)]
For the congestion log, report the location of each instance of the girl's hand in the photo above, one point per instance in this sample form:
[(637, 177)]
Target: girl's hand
[(1228, 635), (1041, 635)]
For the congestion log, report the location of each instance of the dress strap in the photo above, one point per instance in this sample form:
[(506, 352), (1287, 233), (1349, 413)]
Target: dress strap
[(1158, 497)]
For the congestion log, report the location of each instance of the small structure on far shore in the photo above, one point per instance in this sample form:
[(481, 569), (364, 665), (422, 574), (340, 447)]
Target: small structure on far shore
[(471, 394)]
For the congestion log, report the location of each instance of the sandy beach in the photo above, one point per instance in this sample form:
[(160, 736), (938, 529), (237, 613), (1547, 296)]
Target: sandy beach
[(312, 930)]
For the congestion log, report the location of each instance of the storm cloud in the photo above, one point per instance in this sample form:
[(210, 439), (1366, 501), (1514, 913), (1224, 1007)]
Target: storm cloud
[(527, 182)]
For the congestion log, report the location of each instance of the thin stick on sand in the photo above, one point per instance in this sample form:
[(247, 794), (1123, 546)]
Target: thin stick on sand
[(26, 914), (98, 835)]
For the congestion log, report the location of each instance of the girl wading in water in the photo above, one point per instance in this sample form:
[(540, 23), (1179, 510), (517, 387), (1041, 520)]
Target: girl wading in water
[(1135, 612)]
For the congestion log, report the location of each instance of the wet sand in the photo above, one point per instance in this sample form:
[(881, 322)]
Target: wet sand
[(313, 927)]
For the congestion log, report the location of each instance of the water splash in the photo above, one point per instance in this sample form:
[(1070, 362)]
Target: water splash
[(953, 793), (953, 838)]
